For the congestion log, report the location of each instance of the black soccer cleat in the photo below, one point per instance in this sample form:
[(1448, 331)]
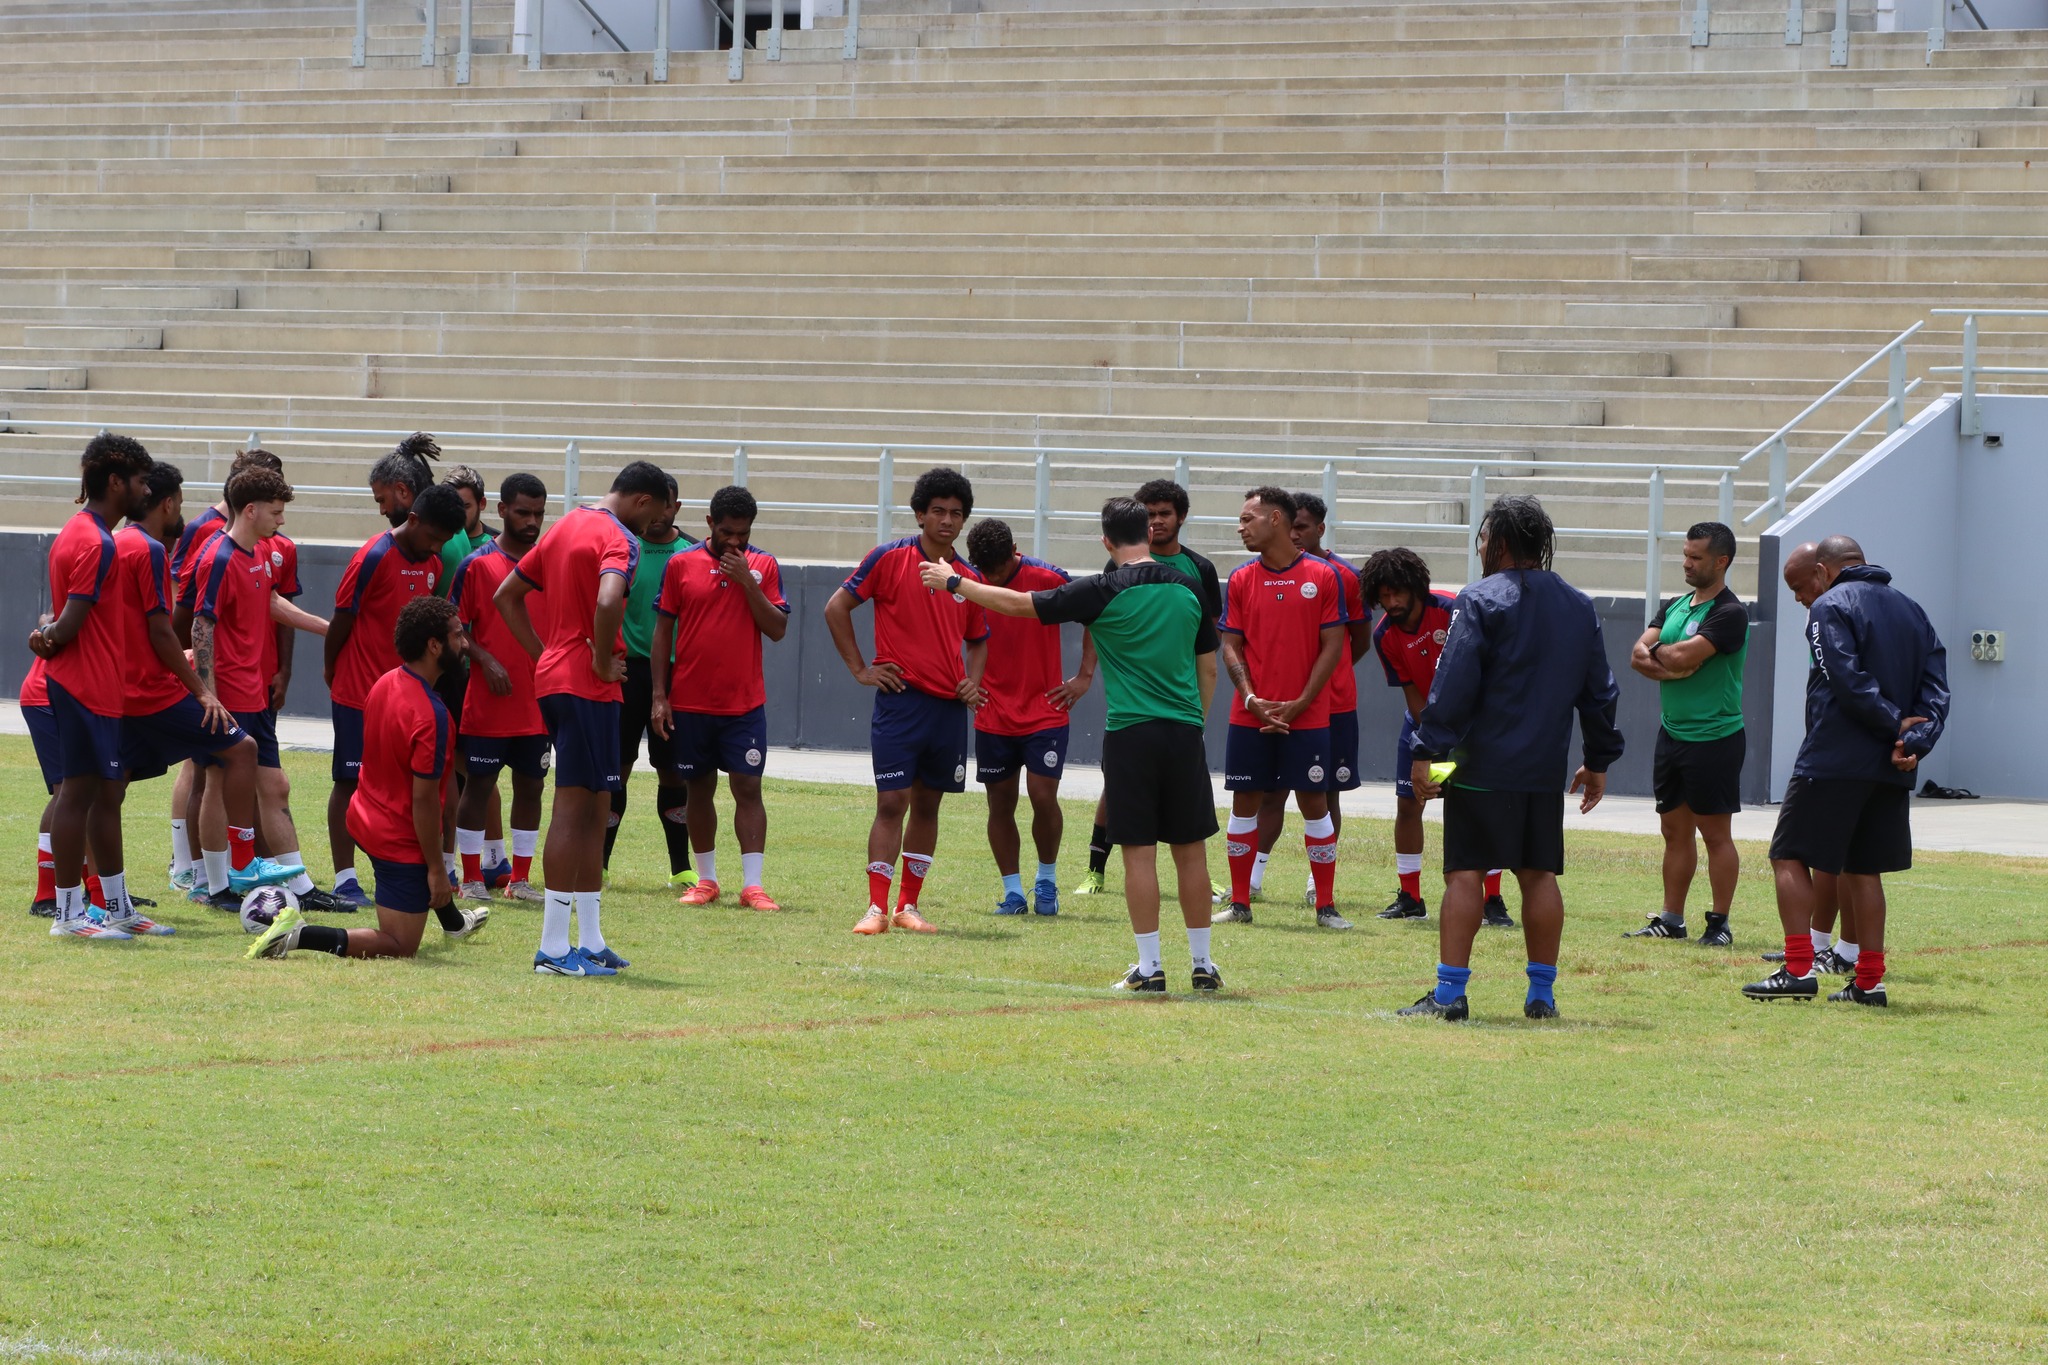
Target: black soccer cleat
[(225, 901), (1538, 1009), (1206, 979), (1328, 918), (1428, 1008), (1405, 906), (1237, 912), (1659, 927), (1718, 934), (1135, 980), (325, 903), (1853, 994), (1495, 915), (1828, 962), (1782, 985), (43, 909), (142, 902), (1778, 956)]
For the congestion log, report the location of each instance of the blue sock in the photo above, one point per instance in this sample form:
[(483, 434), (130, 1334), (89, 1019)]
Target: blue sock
[(1542, 976), (1013, 883), (1450, 982), (1049, 872)]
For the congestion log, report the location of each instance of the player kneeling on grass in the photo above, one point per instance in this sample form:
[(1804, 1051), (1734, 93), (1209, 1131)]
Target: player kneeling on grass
[(1524, 652), (395, 812), (1149, 627)]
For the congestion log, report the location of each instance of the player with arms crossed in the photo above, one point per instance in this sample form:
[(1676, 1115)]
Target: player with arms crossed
[(501, 724), (1020, 730), (1150, 626), (723, 596), (1282, 638), (922, 690), (582, 567)]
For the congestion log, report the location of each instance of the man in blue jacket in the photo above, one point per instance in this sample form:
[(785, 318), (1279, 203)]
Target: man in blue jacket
[(1876, 701), (1524, 652)]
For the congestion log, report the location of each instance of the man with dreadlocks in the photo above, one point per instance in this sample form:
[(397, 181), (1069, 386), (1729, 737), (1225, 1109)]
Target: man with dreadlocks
[(1524, 651)]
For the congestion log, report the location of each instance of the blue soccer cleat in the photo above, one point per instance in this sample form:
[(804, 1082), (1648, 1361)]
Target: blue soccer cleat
[(186, 880), (604, 958), (568, 964), (1011, 904), (262, 872), (90, 925), (1045, 897), (498, 875), (352, 894)]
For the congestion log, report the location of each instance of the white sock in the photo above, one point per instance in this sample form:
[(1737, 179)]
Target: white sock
[(114, 886), (1405, 863), (468, 841), (216, 861), (300, 884), (181, 847), (454, 866), (707, 864), (1148, 952), (72, 901), (494, 851), (43, 844), (554, 922), (524, 842), (345, 876), (1259, 867), (1820, 939), (588, 933), (1848, 952), (750, 868), (1198, 947)]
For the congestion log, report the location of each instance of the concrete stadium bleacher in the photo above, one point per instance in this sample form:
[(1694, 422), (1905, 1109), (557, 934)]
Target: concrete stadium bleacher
[(1544, 232)]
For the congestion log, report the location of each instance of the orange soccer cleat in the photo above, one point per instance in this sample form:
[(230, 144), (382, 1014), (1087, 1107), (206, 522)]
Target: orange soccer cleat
[(875, 921), (908, 918), (703, 893), (754, 898)]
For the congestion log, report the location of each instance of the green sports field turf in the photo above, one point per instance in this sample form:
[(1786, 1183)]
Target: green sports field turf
[(773, 1140)]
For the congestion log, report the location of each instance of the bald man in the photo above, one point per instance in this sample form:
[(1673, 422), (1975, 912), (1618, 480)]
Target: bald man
[(1876, 701)]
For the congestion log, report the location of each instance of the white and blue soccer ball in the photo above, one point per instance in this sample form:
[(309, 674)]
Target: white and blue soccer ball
[(261, 907)]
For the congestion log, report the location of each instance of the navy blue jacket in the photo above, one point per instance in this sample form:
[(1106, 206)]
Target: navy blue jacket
[(1524, 651), (1876, 660)]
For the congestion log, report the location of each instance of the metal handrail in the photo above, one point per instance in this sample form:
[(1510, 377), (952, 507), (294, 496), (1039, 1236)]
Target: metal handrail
[(1972, 415), (1893, 409)]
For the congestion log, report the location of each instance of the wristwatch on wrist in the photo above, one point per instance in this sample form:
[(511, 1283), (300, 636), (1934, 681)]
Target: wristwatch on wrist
[(953, 584)]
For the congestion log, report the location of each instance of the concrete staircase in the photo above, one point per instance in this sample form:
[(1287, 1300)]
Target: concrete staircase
[(1538, 233)]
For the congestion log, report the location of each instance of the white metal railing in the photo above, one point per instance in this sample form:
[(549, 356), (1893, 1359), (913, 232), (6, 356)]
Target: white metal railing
[(735, 22), (1776, 446), (1937, 30), (1971, 414)]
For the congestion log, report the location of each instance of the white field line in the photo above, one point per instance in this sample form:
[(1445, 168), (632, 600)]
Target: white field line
[(30, 1349)]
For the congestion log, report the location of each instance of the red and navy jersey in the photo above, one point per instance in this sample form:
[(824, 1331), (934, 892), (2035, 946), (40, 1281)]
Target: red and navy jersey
[(1410, 657), (35, 688), (1023, 661), (283, 553), (141, 588), (81, 561), (484, 713), (406, 734), (918, 630), (1281, 614), (1344, 682), (718, 645), (197, 532), (377, 584), (233, 591), (572, 558)]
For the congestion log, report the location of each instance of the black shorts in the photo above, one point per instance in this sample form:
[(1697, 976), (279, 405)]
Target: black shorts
[(1155, 784), (1704, 775), (636, 710), (1845, 824), (451, 689), (1518, 831)]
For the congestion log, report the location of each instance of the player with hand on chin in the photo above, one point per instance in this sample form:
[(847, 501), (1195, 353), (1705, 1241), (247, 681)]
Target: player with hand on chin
[(922, 690)]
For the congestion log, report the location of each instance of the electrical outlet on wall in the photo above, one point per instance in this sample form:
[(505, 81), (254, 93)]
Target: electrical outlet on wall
[(1987, 646)]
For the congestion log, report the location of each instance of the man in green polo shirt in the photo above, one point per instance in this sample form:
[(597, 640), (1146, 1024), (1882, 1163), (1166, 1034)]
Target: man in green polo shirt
[(1154, 638), (671, 796), (1694, 650)]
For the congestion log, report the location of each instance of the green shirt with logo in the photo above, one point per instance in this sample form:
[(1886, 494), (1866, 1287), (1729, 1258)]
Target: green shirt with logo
[(457, 548), (1707, 705), (639, 625), (1149, 624)]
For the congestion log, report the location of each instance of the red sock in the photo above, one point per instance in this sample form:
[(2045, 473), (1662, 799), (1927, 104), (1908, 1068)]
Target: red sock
[(1322, 867), (1799, 954), (1241, 848), (46, 876), (1869, 970), (472, 867), (915, 867), (1411, 884), (521, 866), (241, 847), (879, 877), (93, 892), (1493, 884)]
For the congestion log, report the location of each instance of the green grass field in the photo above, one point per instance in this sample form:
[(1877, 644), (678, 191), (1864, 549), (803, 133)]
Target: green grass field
[(773, 1140)]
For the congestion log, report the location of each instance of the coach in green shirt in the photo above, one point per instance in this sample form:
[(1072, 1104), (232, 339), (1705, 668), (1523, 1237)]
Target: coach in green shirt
[(1694, 650), (1150, 626)]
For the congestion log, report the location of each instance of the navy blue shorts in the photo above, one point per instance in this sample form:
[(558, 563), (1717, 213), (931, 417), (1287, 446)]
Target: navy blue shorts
[(1404, 758), (1254, 761), (1344, 751), (702, 745), (348, 742), (88, 745), (401, 886), (525, 755), (152, 745), (999, 758), (42, 732), (261, 726), (586, 737), (919, 738)]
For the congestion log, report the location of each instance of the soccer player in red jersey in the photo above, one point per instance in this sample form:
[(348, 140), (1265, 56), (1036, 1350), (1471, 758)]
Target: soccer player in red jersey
[(82, 650), (501, 724), (1282, 638), (394, 814), (720, 597), (392, 569), (582, 567), (1020, 730), (922, 691)]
